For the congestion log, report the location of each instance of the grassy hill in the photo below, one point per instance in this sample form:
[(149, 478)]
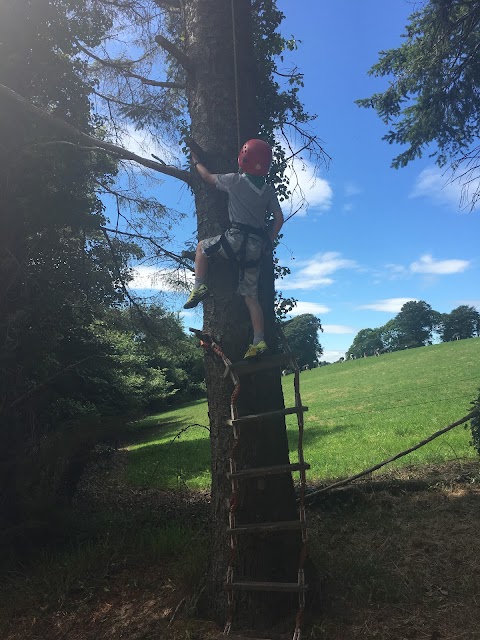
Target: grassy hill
[(360, 412)]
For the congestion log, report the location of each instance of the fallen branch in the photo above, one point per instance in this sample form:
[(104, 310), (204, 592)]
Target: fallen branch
[(341, 483)]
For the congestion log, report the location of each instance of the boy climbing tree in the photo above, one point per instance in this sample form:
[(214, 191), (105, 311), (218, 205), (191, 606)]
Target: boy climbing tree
[(250, 203)]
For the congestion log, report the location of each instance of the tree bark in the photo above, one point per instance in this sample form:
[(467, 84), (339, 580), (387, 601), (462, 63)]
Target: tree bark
[(212, 104)]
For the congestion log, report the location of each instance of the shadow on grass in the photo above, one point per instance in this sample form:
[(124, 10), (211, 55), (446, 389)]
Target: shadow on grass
[(157, 426), (393, 549), (183, 461), (136, 434)]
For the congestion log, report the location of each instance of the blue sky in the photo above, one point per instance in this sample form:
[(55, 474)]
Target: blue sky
[(371, 237)]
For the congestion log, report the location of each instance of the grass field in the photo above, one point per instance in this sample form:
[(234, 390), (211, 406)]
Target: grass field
[(360, 412)]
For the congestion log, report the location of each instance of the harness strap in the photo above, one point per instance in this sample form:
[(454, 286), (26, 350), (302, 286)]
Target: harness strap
[(227, 247), (240, 256), (246, 228)]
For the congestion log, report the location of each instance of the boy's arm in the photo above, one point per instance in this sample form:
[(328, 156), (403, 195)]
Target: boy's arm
[(205, 174), (277, 224)]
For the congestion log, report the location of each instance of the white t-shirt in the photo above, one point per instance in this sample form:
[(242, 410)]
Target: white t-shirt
[(246, 203)]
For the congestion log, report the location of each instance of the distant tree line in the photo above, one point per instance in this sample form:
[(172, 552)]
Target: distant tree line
[(416, 325)]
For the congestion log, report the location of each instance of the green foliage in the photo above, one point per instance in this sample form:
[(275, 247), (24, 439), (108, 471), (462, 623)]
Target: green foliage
[(463, 322), (433, 95), (302, 336), (365, 342), (413, 326), (69, 354)]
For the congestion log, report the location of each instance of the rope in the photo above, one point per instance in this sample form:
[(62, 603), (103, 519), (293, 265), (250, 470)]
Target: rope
[(235, 71), (375, 467)]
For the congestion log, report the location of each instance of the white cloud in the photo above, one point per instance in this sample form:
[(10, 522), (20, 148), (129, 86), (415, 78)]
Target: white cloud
[(308, 190), (338, 329), (390, 305), (395, 268), (317, 271), (332, 355), (309, 307), (351, 190), (155, 279), (441, 186), (429, 265)]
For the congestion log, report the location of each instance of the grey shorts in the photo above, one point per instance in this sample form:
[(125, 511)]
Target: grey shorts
[(248, 285)]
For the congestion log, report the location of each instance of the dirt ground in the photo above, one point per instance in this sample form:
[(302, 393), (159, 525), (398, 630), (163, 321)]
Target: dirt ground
[(397, 554)]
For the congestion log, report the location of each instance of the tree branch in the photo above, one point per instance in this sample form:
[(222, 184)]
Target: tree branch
[(169, 254), (91, 141), (177, 53), (143, 316), (125, 70)]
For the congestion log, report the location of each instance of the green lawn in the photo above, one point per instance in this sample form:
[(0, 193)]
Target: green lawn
[(360, 412)]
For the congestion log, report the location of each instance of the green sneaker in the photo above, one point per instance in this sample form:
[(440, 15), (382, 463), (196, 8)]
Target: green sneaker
[(196, 296), (255, 350)]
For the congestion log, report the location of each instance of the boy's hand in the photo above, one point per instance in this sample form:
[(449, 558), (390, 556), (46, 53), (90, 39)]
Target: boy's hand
[(205, 174)]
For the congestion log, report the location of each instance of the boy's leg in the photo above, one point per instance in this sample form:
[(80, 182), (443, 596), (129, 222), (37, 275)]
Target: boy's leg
[(256, 317), (200, 290), (248, 288), (201, 266), (259, 345)]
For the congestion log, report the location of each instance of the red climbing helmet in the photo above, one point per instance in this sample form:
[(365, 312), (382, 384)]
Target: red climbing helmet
[(255, 157)]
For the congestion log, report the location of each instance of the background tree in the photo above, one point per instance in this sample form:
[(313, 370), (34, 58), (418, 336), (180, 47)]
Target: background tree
[(462, 322), (433, 95), (391, 336), (302, 335), (366, 341), (415, 324)]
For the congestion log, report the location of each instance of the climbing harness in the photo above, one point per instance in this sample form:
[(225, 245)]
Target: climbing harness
[(235, 371), (240, 255)]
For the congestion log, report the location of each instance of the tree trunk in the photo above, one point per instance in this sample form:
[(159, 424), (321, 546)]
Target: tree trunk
[(212, 104)]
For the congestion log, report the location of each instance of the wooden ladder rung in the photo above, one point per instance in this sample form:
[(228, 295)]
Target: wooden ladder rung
[(269, 471), (267, 414), (266, 586), (259, 363), (268, 526)]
